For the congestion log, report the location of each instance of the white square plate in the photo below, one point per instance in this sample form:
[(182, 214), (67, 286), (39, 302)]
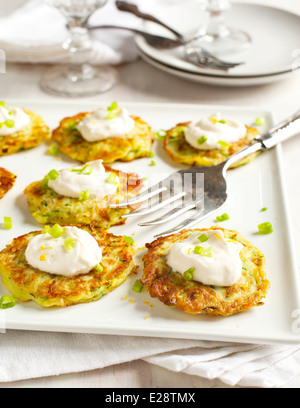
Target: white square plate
[(252, 187)]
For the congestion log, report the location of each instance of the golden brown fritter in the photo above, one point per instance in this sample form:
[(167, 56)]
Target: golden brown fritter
[(193, 297), (27, 283), (48, 207), (7, 181), (31, 136), (137, 144), (182, 152)]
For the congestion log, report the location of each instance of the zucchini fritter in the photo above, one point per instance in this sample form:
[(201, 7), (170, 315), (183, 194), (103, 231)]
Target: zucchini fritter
[(27, 283), (7, 181), (193, 297), (48, 207), (136, 145), (182, 152), (31, 136)]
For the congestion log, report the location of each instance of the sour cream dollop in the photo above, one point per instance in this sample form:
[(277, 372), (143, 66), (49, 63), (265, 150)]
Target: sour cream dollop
[(206, 133), (50, 255), (91, 177), (98, 126), (222, 268), (12, 120)]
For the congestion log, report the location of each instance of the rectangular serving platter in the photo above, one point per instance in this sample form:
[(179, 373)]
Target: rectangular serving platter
[(124, 312)]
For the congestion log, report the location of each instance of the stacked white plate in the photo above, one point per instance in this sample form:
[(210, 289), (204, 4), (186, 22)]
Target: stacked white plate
[(273, 56)]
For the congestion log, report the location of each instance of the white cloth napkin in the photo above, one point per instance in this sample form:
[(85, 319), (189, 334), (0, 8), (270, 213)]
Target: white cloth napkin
[(25, 355), (35, 33)]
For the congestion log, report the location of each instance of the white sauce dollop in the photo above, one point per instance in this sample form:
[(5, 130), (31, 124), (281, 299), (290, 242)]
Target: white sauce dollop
[(50, 255), (214, 131), (71, 183), (16, 119), (224, 268), (97, 126)]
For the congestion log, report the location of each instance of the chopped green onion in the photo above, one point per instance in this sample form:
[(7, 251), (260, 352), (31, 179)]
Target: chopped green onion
[(138, 286), (264, 209), (199, 250), (112, 179), (151, 155), (2, 103), (7, 223), (84, 195), (112, 109), (222, 218), (160, 135), (203, 238), (265, 228), (7, 302), (56, 231), (99, 268), (209, 252), (86, 170), (129, 240), (188, 275), (69, 244), (223, 144), (53, 150), (260, 121), (9, 123), (114, 106), (53, 175), (201, 140), (152, 163), (222, 121)]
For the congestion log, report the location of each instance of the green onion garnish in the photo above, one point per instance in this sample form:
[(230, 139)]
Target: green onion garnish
[(86, 170), (56, 231), (198, 250), (84, 195), (113, 111), (129, 240), (209, 252), (112, 179), (264, 209), (151, 155), (222, 218), (178, 131), (53, 150), (7, 223), (53, 175), (69, 244), (9, 123), (188, 275), (203, 238), (7, 302), (152, 163), (2, 103), (160, 135), (201, 140), (223, 144), (138, 287), (99, 268), (223, 121), (260, 121), (265, 228)]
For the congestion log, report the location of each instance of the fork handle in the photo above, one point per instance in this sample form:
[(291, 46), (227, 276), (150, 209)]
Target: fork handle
[(278, 134)]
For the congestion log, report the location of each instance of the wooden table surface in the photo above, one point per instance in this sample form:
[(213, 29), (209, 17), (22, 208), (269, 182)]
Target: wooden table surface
[(140, 82)]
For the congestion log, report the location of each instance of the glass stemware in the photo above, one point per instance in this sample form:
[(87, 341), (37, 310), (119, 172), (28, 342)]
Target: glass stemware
[(216, 36), (79, 77)]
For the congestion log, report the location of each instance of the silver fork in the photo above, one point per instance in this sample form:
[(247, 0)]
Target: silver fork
[(164, 43), (215, 192)]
